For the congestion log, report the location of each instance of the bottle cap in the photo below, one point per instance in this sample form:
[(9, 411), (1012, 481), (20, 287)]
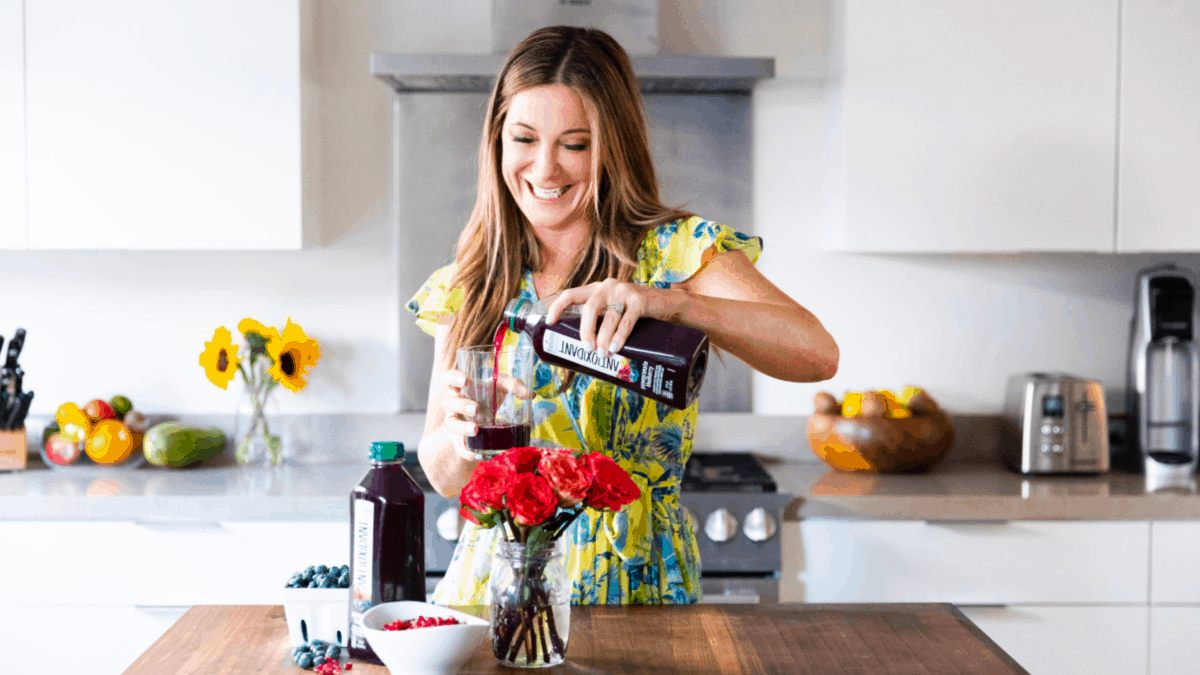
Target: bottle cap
[(386, 451), (512, 311)]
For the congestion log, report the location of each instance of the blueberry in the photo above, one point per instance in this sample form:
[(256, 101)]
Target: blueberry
[(345, 570), (333, 652), (343, 581), (322, 569), (318, 645), (305, 660), (318, 581), (309, 573)]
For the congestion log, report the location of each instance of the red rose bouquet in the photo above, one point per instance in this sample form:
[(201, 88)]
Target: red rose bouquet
[(535, 495)]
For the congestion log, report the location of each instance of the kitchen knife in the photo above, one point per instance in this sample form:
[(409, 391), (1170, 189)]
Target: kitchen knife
[(17, 419), (14, 349)]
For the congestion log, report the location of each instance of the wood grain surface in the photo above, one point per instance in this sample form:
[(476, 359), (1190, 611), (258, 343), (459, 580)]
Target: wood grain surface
[(904, 639)]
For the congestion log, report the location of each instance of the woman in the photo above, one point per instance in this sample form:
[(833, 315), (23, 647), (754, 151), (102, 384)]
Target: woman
[(568, 203)]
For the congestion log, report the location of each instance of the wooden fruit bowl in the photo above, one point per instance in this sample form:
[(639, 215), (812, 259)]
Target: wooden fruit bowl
[(874, 443)]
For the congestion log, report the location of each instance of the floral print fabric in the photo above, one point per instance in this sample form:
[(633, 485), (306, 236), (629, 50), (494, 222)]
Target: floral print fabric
[(646, 553)]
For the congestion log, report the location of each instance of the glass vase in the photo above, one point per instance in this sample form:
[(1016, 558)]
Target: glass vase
[(257, 440), (531, 604)]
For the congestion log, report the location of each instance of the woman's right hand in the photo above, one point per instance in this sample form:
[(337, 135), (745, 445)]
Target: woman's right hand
[(458, 414)]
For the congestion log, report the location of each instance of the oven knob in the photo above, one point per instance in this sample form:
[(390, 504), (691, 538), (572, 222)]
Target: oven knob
[(720, 525), (759, 526), (449, 524)]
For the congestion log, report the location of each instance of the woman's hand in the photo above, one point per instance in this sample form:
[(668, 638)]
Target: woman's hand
[(614, 305), (458, 414)]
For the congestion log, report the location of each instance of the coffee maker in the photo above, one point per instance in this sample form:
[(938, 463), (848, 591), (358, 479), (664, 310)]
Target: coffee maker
[(1163, 389)]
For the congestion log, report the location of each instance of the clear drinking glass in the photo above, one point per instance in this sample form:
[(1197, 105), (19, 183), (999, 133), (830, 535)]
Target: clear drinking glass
[(505, 401)]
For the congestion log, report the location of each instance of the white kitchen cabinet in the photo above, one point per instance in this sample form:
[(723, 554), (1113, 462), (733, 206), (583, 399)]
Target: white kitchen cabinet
[(1174, 577), (978, 126), (163, 563), (1009, 562), (1174, 649), (156, 125), (1158, 204), (1048, 640), (12, 125), (101, 640)]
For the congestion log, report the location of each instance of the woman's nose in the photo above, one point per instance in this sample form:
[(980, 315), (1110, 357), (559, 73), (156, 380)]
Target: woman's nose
[(545, 162)]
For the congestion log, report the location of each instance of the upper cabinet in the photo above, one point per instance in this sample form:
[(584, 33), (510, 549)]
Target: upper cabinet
[(975, 125), (1158, 202), (12, 126), (161, 125)]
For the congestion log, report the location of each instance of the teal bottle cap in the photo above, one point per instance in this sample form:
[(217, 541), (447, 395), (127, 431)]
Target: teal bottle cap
[(386, 451)]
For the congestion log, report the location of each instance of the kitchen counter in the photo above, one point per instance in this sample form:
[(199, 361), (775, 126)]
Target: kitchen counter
[(977, 491), (692, 639), (972, 490), (219, 491)]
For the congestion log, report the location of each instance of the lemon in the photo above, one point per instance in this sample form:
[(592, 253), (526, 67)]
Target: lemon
[(110, 443), (907, 393), (893, 407), (852, 404), (74, 422)]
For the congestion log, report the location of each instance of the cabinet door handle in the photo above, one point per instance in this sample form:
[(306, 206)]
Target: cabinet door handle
[(178, 524), (951, 522)]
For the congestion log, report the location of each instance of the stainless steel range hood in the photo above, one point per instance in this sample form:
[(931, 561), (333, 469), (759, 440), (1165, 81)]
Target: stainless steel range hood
[(465, 73)]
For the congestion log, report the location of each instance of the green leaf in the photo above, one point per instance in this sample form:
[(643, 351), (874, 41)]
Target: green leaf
[(258, 343)]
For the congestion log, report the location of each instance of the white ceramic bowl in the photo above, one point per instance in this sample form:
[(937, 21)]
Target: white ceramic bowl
[(437, 650)]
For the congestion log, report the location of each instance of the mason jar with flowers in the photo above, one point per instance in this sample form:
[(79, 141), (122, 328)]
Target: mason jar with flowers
[(273, 358), (534, 495)]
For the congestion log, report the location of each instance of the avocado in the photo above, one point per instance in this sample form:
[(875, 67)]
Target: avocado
[(175, 445)]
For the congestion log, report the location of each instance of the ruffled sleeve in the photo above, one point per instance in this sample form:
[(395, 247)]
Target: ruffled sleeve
[(672, 253), (436, 299)]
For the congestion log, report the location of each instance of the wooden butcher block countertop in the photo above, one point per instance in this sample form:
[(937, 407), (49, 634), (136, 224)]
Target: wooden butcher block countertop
[(912, 639)]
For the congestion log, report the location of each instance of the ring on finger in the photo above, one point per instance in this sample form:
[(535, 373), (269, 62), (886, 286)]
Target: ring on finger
[(619, 306)]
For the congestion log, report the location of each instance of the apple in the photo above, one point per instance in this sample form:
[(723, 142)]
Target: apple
[(61, 451)]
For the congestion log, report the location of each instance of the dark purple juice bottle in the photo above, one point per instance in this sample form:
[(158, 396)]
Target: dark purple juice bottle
[(660, 360), (387, 541)]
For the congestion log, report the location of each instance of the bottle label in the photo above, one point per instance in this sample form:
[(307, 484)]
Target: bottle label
[(362, 563), (576, 351)]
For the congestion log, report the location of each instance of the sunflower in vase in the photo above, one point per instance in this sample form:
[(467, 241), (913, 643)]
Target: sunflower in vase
[(273, 358)]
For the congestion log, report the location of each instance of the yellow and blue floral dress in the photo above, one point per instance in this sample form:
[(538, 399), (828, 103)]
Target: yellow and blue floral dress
[(646, 553)]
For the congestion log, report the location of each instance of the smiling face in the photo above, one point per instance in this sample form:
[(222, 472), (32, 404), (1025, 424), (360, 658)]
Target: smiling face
[(546, 159)]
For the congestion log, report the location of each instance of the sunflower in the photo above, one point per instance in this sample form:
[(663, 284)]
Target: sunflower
[(292, 355), (219, 358)]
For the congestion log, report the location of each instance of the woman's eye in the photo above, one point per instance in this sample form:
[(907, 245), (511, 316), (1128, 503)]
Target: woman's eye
[(522, 139), (577, 148)]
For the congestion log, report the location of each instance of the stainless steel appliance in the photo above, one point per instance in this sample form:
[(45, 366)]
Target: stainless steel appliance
[(734, 505), (1060, 422), (1163, 393)]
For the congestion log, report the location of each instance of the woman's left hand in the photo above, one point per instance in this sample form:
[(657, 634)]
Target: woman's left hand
[(614, 305)]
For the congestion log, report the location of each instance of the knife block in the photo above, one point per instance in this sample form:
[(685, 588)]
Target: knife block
[(13, 450)]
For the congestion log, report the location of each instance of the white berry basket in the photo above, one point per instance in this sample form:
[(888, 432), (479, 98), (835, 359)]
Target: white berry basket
[(317, 614)]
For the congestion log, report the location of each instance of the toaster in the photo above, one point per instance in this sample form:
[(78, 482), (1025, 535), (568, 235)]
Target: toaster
[(1059, 424)]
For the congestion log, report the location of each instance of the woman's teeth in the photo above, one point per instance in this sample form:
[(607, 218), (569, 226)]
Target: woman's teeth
[(548, 194)]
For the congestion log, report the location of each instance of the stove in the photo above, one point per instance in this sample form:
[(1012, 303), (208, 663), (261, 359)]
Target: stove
[(736, 508), (734, 504)]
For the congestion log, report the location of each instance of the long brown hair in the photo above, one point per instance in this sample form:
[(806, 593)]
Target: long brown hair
[(498, 243)]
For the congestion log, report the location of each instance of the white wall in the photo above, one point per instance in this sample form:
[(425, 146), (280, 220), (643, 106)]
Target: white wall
[(135, 322)]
